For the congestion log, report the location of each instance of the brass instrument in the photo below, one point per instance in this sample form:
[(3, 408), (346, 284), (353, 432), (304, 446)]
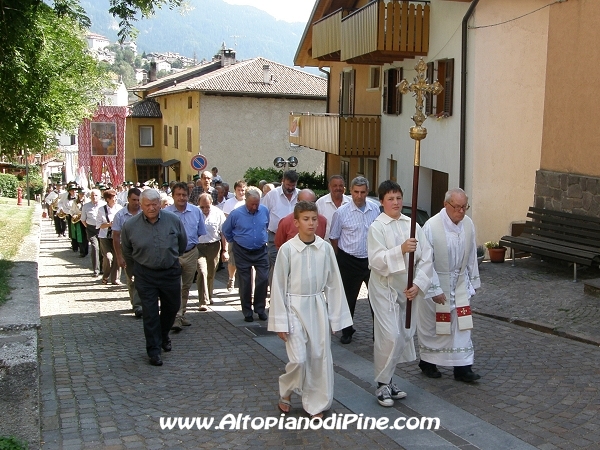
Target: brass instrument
[(77, 216), (54, 204), (61, 214)]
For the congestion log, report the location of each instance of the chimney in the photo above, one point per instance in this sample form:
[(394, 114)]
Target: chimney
[(227, 56), (152, 74), (144, 77), (267, 77)]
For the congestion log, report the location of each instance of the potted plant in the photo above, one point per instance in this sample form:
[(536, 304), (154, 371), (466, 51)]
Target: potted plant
[(496, 251)]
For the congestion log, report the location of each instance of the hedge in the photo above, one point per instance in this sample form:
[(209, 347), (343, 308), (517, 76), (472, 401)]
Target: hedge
[(8, 185)]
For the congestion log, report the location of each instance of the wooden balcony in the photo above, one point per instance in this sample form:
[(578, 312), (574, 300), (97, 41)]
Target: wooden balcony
[(326, 36), (339, 135), (380, 32)]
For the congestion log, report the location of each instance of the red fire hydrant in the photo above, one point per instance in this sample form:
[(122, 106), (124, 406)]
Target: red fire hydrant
[(19, 196)]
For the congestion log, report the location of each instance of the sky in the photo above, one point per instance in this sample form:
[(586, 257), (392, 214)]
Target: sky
[(288, 10)]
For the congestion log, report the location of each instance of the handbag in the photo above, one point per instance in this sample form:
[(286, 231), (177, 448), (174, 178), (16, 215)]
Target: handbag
[(109, 231)]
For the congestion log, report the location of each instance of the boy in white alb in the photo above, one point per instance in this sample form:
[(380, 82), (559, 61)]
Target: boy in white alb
[(307, 301)]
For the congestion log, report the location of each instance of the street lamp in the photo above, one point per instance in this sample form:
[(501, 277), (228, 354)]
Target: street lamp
[(281, 163)]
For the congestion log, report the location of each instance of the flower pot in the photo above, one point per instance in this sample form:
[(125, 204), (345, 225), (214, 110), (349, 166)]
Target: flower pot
[(497, 254)]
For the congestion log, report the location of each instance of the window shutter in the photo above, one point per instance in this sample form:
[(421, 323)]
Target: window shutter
[(429, 95), (165, 135), (449, 86), (341, 97), (351, 93), (399, 77), (385, 91)]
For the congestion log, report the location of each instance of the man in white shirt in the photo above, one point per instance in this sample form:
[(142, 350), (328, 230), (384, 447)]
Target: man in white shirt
[(229, 205), (280, 202), (89, 211), (210, 247), (348, 236), (329, 204)]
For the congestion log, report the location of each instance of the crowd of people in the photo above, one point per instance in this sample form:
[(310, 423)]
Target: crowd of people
[(299, 263)]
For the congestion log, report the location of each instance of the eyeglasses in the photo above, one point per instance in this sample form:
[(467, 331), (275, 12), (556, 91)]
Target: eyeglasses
[(458, 208)]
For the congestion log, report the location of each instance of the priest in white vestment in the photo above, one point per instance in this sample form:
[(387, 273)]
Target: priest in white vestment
[(444, 316), (389, 246), (307, 303)]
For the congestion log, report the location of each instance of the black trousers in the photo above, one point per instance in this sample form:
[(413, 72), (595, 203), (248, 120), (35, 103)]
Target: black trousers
[(94, 248), (353, 271), (245, 260), (152, 285)]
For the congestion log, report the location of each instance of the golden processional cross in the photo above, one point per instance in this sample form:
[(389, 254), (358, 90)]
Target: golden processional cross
[(419, 87)]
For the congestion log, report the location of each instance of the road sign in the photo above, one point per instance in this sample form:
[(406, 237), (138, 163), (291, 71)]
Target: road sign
[(199, 162)]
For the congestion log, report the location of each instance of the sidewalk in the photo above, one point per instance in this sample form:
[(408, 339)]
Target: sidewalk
[(98, 390)]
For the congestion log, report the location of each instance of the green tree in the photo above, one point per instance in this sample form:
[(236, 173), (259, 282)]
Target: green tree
[(49, 80)]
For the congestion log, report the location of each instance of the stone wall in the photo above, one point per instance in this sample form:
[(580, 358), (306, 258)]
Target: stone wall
[(558, 191)]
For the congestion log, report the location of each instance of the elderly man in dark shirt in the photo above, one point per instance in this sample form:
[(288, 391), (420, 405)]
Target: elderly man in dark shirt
[(246, 227), (151, 243)]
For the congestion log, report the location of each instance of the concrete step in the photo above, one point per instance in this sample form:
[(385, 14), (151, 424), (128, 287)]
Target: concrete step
[(592, 287)]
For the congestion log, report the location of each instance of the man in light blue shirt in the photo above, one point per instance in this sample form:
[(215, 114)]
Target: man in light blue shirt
[(246, 227), (348, 236), (131, 209), (193, 222)]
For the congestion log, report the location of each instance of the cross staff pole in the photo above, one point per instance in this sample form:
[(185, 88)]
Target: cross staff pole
[(419, 87)]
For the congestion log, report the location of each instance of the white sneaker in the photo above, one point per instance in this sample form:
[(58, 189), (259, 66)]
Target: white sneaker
[(384, 396), (396, 393)]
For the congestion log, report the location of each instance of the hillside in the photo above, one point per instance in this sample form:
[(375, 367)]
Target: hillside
[(200, 31)]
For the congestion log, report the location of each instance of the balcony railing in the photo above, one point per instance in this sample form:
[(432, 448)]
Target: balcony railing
[(326, 35), (358, 135), (382, 32)]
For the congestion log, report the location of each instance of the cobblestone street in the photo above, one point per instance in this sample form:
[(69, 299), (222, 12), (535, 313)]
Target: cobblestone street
[(98, 390)]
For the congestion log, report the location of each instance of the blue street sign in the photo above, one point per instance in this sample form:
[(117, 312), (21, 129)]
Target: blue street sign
[(199, 162)]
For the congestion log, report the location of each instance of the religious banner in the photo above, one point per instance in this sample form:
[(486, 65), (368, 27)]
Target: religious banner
[(102, 144), (104, 138)]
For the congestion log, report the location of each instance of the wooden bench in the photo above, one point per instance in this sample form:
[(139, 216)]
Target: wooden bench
[(560, 235)]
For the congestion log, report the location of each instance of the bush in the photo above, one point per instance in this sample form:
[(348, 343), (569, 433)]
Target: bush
[(311, 181), (12, 443), (305, 179), (8, 185), (36, 185), (254, 174)]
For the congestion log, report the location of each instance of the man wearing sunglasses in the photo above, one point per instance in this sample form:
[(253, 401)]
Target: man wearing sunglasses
[(444, 316)]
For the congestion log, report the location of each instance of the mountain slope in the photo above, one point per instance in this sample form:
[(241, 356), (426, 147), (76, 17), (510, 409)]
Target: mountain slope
[(201, 30)]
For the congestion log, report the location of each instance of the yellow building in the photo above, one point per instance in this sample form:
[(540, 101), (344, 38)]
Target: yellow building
[(233, 113)]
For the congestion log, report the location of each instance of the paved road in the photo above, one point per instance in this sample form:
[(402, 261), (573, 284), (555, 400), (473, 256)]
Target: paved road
[(98, 390)]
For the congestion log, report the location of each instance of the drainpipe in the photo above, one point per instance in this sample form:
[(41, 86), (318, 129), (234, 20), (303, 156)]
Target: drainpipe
[(325, 165), (463, 94)]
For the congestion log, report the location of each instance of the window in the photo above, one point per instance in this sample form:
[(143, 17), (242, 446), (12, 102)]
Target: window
[(190, 102), (147, 172), (176, 137), (392, 99), (146, 136), (170, 130), (189, 139), (345, 171), (347, 92), (374, 76), (165, 103), (392, 169), (166, 136), (73, 139), (441, 104)]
